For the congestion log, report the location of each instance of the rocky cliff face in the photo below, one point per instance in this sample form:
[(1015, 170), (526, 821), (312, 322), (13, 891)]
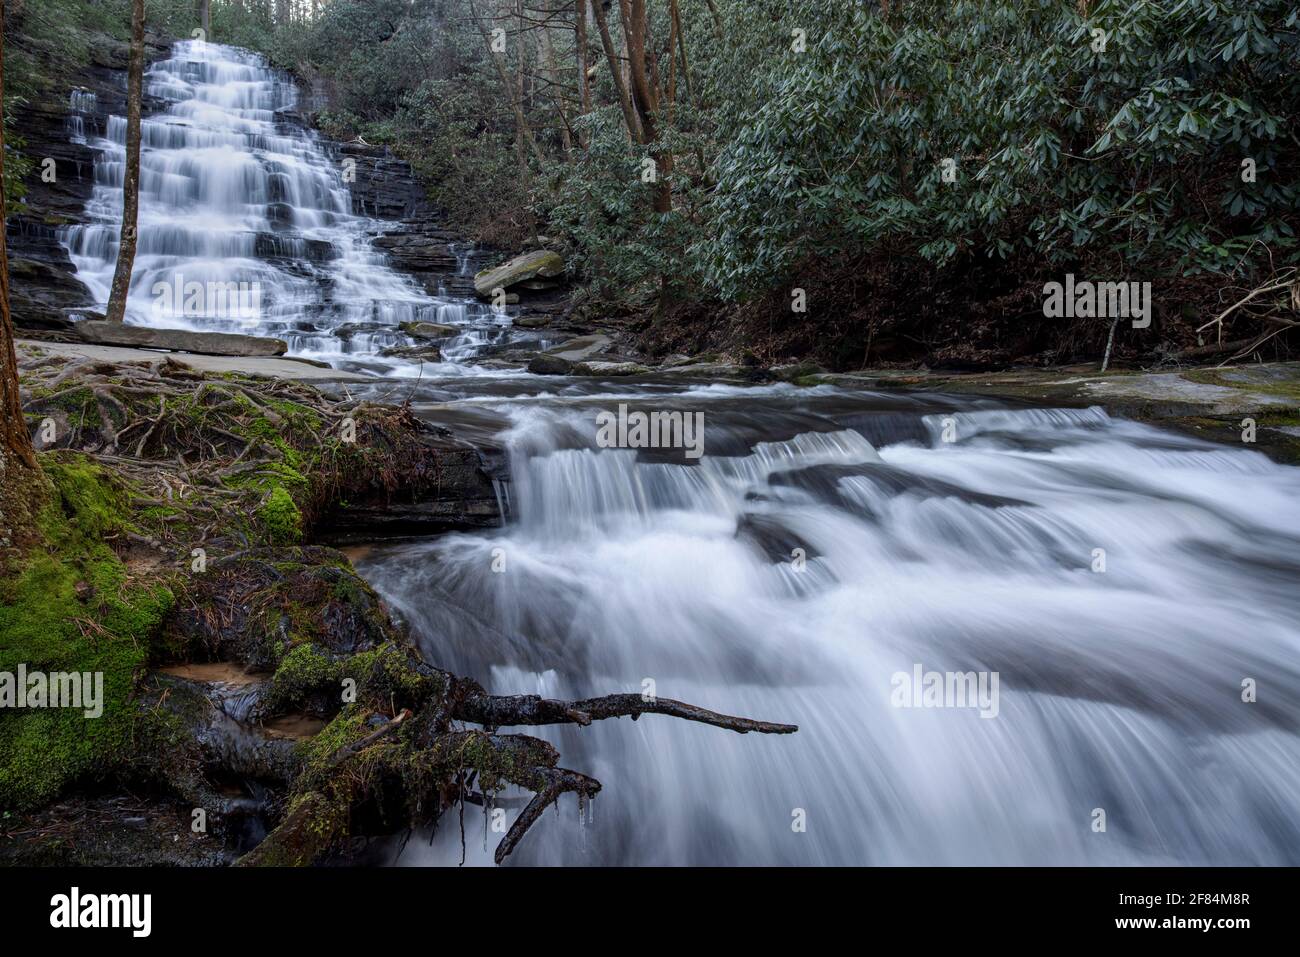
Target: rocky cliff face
[(55, 128)]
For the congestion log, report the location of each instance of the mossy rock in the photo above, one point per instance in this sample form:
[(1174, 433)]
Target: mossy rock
[(75, 606), (541, 262), (258, 606)]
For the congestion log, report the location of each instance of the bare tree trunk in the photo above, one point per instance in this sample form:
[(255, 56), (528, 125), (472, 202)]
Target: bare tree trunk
[(645, 97), (547, 51), (523, 133), (584, 81), (14, 440), (616, 71), (205, 18), (131, 180)]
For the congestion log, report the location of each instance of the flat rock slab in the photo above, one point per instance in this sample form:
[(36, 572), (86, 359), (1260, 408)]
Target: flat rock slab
[(582, 347), (249, 365), (608, 368), (101, 332), (1174, 387)]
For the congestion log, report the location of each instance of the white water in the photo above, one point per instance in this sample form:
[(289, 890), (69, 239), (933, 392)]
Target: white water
[(1119, 690), (233, 191)]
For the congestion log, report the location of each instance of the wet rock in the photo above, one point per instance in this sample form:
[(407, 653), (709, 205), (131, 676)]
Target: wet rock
[(382, 185), (533, 322), (272, 246), (597, 368), (430, 330), (458, 493), (42, 294), (581, 347), (426, 351), (550, 365), (178, 340), (349, 329)]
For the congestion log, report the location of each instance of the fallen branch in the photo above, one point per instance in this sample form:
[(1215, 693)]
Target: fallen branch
[(559, 781), (347, 751), (496, 711)]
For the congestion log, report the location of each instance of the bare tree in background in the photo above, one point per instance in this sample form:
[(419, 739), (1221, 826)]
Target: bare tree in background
[(131, 181)]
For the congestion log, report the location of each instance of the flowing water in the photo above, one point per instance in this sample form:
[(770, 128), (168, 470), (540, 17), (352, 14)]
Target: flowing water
[(1120, 671), (246, 222), (1126, 587)]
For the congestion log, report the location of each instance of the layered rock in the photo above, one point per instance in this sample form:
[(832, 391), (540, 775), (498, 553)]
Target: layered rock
[(54, 129)]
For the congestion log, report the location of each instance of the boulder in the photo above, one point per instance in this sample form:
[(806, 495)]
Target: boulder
[(430, 330), (581, 347), (42, 294), (425, 352), (532, 322), (540, 263), (102, 332), (550, 365)]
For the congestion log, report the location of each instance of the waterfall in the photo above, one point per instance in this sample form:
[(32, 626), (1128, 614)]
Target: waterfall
[(246, 222), (1120, 582)]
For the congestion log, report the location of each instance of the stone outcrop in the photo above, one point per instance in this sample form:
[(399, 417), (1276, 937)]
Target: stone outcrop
[(539, 264), (43, 284), (464, 497), (102, 332), (382, 184)]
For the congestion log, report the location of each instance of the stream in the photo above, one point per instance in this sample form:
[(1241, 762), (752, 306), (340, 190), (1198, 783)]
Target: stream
[(1116, 589)]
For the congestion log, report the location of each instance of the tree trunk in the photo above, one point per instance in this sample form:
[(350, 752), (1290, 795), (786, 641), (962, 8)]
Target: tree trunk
[(584, 82), (616, 71), (645, 98), (15, 443), (523, 133), (547, 51), (205, 18), (131, 181)]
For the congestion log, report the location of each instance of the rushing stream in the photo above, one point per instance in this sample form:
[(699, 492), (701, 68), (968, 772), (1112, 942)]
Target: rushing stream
[(1118, 582), (1119, 689)]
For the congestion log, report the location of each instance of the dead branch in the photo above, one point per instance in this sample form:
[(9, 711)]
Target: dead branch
[(496, 711)]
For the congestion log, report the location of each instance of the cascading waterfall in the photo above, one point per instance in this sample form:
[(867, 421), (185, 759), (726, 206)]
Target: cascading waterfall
[(246, 223), (1120, 684)]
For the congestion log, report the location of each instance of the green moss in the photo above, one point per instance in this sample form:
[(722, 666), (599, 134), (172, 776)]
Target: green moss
[(807, 381), (281, 517), (74, 607), (385, 678)]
